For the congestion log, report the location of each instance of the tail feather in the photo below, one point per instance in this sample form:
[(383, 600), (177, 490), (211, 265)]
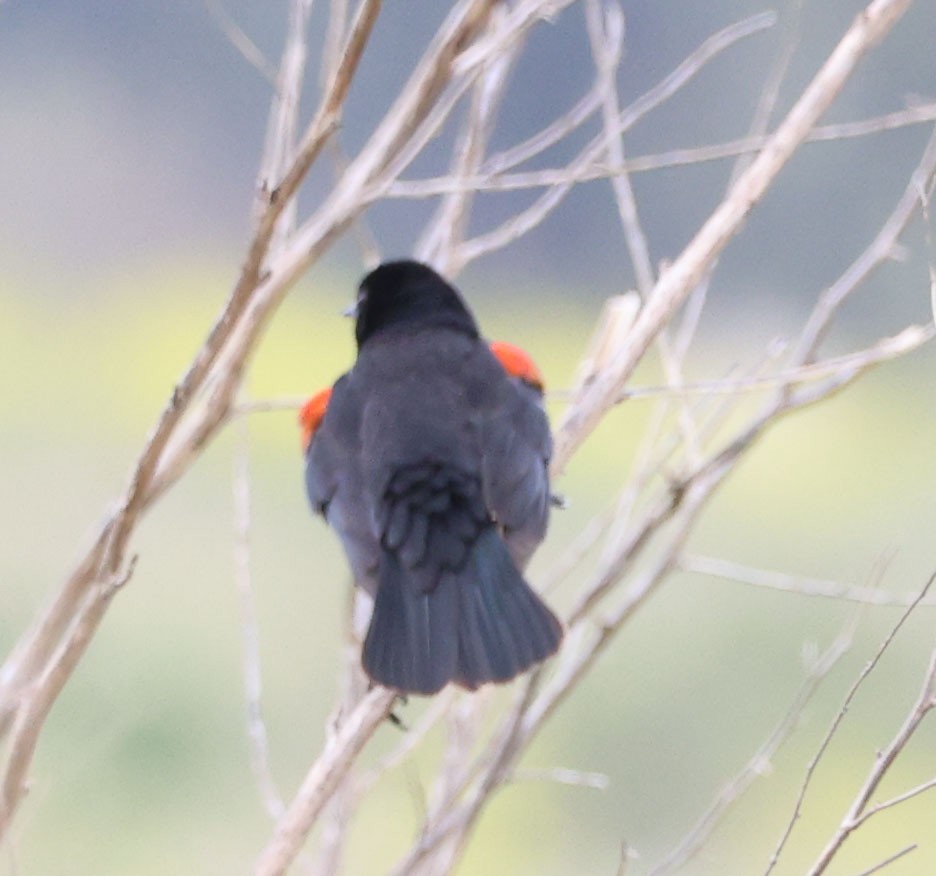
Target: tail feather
[(482, 623), (408, 644), (504, 627)]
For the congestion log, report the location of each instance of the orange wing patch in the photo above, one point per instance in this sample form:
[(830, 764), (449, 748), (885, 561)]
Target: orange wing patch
[(311, 414), (517, 363)]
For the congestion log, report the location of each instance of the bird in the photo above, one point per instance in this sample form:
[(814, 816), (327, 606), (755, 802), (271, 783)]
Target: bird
[(430, 460)]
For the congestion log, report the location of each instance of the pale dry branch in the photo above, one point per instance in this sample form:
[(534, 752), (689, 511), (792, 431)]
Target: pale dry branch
[(38, 698), (250, 634), (890, 859), (655, 459), (880, 767), (280, 144), (922, 788), (335, 35), (909, 339), (770, 93), (749, 145), (629, 541), (87, 592), (859, 812), (240, 40), (353, 686), (532, 216), (440, 241), (606, 33), (605, 25), (413, 738), (880, 250), (787, 583), (628, 536), (495, 166), (680, 278), (518, 21), (760, 763), (563, 776), (499, 181), (326, 773)]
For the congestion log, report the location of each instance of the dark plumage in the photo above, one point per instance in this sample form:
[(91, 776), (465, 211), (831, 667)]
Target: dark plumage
[(431, 464)]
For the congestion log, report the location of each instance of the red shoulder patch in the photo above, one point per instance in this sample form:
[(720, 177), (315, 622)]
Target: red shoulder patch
[(311, 414), (517, 363)]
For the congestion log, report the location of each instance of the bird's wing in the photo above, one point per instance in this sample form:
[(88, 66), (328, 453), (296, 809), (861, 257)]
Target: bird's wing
[(334, 481), (516, 448)]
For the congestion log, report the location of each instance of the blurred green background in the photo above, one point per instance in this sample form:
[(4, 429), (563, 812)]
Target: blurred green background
[(129, 134)]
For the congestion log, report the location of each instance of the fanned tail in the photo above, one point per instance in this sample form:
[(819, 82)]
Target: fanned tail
[(482, 623)]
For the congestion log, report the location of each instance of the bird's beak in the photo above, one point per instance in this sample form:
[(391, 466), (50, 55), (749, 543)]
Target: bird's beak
[(350, 311)]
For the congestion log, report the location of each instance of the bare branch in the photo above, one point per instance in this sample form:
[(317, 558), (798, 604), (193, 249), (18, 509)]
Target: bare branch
[(496, 181), (350, 738), (881, 766), (858, 813), (563, 776), (284, 115), (240, 40), (773, 580), (900, 798), (756, 767), (890, 859), (166, 455), (440, 242), (680, 278), (880, 250), (39, 697), (253, 685), (908, 340), (531, 217)]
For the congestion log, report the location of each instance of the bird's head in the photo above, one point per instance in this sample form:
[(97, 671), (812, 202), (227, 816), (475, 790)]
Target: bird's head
[(410, 293)]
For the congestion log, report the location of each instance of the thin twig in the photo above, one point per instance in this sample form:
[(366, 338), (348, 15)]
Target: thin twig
[(240, 40), (321, 780), (353, 685), (859, 812), (494, 180), (563, 776), (169, 449), (890, 859), (827, 740), (922, 788), (681, 277), (39, 697), (283, 122), (783, 581), (444, 233), (253, 677), (756, 767), (533, 215), (894, 347)]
